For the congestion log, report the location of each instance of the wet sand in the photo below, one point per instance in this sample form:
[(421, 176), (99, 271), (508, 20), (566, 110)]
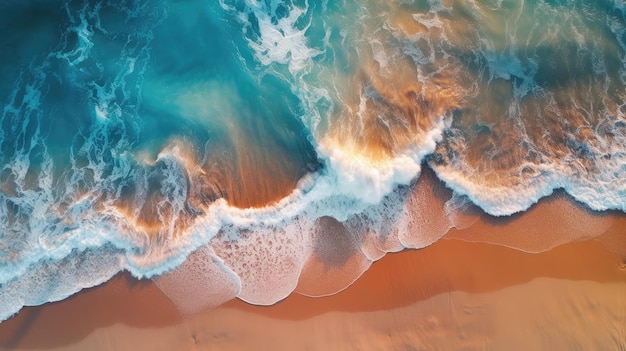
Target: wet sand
[(453, 295)]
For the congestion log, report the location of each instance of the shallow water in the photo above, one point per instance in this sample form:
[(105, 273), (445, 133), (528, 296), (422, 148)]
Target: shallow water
[(273, 139)]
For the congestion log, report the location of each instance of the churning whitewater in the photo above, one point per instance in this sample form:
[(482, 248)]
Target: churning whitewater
[(221, 147)]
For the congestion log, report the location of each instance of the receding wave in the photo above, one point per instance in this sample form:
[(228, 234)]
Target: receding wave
[(249, 149)]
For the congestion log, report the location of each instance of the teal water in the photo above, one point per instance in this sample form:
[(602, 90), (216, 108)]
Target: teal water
[(135, 134)]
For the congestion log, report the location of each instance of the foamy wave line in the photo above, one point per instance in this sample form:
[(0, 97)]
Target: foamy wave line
[(259, 254), (362, 198), (348, 186), (601, 188), (272, 245)]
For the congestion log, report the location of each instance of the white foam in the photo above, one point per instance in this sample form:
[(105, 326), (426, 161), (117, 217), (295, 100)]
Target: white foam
[(552, 222), (265, 248), (602, 192), (55, 242), (54, 280), (356, 175), (430, 20), (258, 254), (280, 40), (202, 282), (352, 188), (268, 247), (461, 212), (267, 260), (84, 33)]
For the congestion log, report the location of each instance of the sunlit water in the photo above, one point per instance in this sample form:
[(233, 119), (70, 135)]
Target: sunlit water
[(260, 137)]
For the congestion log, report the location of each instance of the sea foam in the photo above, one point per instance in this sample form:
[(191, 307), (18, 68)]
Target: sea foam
[(421, 117)]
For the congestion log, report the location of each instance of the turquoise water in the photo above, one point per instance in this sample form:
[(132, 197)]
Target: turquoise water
[(242, 133)]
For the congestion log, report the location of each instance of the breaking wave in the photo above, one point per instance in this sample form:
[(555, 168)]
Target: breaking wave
[(250, 149)]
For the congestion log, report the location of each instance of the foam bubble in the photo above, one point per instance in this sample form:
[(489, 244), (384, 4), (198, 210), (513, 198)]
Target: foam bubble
[(267, 260), (55, 280), (553, 221), (280, 38), (358, 176), (202, 282)]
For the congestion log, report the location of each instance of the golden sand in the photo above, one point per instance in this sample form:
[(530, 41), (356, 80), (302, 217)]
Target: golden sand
[(453, 295)]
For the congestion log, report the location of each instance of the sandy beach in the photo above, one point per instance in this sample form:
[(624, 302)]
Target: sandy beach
[(313, 175), (453, 295)]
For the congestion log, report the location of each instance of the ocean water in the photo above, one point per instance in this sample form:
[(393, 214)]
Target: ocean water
[(228, 148)]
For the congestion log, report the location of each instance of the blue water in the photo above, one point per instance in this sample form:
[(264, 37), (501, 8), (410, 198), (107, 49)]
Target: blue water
[(136, 133)]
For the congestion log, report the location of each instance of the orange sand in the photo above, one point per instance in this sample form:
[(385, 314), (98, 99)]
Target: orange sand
[(453, 295)]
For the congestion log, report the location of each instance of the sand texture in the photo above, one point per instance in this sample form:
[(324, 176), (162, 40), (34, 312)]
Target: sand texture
[(453, 295)]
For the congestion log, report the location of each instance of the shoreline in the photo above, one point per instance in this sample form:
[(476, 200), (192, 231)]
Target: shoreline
[(412, 287)]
